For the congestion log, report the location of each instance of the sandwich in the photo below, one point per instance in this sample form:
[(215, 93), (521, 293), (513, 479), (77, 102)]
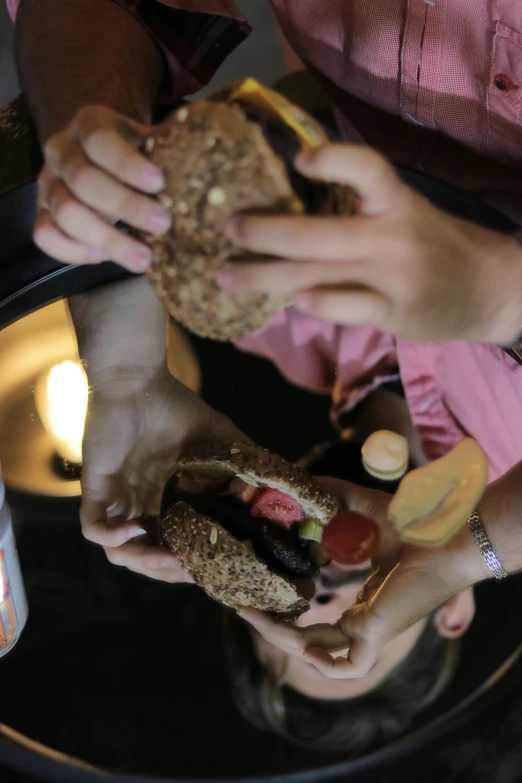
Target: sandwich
[(230, 153), (245, 524)]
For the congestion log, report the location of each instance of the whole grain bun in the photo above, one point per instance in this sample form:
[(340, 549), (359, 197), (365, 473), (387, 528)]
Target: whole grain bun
[(217, 163), (225, 568), (218, 462), (222, 565)]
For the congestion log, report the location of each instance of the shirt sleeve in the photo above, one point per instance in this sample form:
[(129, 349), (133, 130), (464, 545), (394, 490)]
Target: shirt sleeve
[(194, 36)]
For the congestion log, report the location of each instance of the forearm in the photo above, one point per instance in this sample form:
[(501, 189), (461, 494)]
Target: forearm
[(72, 54), (120, 328)]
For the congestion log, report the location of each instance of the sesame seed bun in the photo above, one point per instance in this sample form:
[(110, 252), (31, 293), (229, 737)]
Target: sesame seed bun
[(225, 568), (216, 462)]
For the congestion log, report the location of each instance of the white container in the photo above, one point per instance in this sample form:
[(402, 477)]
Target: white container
[(13, 601)]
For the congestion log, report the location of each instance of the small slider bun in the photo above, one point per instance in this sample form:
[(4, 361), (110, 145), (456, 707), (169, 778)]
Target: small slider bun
[(225, 567), (219, 160), (216, 462)]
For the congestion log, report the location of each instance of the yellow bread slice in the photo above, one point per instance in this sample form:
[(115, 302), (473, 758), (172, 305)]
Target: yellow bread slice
[(433, 502)]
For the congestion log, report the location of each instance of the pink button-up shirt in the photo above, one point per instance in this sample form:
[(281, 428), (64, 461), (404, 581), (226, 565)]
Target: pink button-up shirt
[(435, 85)]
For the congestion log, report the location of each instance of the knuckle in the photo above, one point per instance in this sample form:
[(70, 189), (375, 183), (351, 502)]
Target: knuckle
[(89, 533), (42, 235), (78, 175), (114, 556), (88, 118), (53, 146), (66, 212), (132, 207)]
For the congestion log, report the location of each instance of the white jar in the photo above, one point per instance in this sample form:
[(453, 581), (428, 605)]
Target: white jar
[(13, 601)]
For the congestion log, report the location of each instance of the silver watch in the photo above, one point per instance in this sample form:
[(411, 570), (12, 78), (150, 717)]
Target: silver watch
[(484, 544)]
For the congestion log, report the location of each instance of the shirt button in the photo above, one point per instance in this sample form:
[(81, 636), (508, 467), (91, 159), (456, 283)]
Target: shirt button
[(504, 83)]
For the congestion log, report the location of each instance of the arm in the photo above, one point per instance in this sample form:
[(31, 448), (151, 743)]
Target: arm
[(120, 329), (408, 582), (92, 71), (88, 52), (139, 419)]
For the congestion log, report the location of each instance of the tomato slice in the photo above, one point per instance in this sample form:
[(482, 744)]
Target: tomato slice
[(277, 507), (351, 538)]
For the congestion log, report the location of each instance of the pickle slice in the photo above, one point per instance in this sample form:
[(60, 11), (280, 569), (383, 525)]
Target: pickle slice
[(311, 530)]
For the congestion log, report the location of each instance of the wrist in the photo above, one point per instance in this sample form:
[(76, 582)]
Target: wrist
[(121, 329), (464, 560), (499, 512), (124, 381)]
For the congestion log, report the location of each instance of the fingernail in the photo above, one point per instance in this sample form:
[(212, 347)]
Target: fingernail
[(232, 228), (225, 277), (135, 533), (159, 220), (153, 179), (96, 255), (169, 564), (138, 260)]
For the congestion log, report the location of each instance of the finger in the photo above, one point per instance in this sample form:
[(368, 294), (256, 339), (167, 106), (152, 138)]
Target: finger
[(294, 639), (283, 635), (372, 502), (96, 526), (334, 668), (150, 561), (59, 246), (310, 238), (110, 141), (288, 276), (349, 307), (361, 167), (82, 224), (103, 193)]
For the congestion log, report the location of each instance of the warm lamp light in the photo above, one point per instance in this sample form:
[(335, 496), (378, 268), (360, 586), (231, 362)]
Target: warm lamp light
[(61, 401)]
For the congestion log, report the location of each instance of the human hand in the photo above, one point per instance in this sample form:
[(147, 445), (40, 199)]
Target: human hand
[(407, 584), (400, 264), (93, 177), (136, 426)]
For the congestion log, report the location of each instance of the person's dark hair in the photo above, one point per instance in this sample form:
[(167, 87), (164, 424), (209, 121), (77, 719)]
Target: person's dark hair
[(349, 726)]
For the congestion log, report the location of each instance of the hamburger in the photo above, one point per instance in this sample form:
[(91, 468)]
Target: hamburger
[(245, 524), (231, 153)]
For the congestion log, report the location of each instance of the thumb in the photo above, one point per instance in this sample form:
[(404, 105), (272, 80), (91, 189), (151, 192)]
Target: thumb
[(371, 502), (361, 167), (389, 604)]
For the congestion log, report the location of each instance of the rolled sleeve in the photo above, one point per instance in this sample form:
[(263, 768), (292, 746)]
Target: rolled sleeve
[(195, 38)]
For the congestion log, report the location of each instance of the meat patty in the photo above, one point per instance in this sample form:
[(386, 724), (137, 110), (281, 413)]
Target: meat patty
[(281, 549)]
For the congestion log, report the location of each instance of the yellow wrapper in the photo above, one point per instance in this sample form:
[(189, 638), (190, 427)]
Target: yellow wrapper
[(343, 200)]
